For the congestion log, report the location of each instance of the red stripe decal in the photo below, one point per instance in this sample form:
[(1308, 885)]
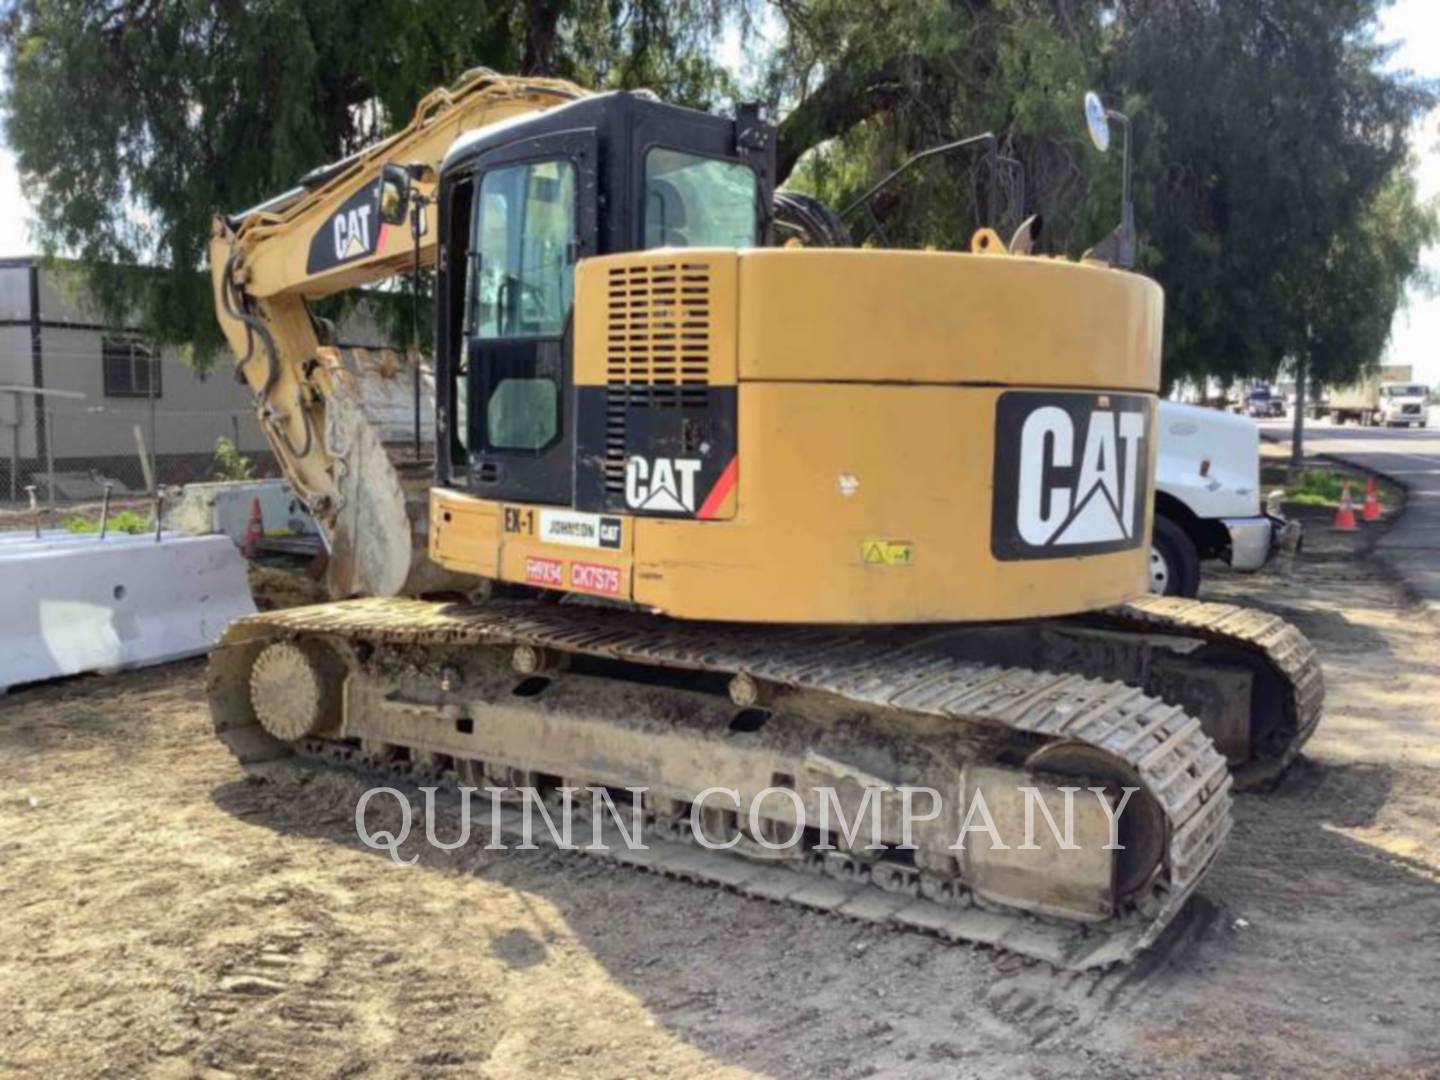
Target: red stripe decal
[(720, 491)]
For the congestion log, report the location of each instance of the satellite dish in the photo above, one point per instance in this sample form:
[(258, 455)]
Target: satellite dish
[(1098, 122)]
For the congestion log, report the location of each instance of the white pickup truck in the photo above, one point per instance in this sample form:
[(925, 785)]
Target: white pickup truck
[(1207, 499)]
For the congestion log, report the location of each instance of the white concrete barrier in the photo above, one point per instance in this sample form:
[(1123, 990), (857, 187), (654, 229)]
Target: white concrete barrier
[(72, 602), (224, 507)]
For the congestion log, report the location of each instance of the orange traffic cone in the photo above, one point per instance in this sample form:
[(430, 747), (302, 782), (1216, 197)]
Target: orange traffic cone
[(1371, 510), (255, 530), (1345, 515)]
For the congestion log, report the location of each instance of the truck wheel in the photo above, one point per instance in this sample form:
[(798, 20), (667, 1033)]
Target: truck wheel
[(1174, 562)]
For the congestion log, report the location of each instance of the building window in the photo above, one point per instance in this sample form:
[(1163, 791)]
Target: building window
[(131, 368)]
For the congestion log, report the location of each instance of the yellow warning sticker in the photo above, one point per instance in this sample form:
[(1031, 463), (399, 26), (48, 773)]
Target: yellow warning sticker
[(887, 552)]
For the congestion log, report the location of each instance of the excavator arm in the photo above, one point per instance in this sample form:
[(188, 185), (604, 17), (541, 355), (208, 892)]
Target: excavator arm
[(339, 421)]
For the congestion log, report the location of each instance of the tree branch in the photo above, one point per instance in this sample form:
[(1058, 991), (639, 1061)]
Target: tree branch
[(849, 95)]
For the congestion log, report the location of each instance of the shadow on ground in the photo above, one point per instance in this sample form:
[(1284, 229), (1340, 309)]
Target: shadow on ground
[(1289, 857)]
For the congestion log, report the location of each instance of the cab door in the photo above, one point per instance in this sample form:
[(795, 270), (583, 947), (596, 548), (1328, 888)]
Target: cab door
[(532, 220)]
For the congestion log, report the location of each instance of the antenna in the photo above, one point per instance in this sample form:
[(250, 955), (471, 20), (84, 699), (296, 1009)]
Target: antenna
[(1118, 249), (992, 159)]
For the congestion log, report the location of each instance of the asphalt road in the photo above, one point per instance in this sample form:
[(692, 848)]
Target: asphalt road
[(1408, 455)]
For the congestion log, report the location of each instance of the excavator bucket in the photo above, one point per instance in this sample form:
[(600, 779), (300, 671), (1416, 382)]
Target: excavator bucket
[(76, 603), (376, 527)]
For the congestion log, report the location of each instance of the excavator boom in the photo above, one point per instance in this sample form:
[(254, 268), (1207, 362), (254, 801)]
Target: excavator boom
[(340, 421)]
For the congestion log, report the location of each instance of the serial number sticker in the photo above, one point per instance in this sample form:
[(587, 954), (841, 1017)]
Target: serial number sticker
[(544, 571), (593, 577), (887, 552)]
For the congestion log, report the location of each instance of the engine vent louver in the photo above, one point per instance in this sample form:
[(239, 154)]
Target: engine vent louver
[(658, 348)]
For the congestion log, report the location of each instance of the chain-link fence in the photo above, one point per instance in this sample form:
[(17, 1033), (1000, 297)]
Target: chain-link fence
[(112, 413)]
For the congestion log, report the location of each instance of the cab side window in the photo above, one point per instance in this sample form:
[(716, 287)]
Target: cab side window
[(523, 287)]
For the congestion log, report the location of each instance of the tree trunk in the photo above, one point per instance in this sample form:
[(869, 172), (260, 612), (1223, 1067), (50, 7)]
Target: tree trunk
[(1297, 436), (541, 18)]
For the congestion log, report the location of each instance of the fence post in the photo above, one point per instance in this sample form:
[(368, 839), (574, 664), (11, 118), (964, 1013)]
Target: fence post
[(105, 511), (150, 381), (144, 460), (49, 455), (15, 450)]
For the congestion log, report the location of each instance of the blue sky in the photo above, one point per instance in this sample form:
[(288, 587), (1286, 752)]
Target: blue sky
[(1415, 334), (1415, 24)]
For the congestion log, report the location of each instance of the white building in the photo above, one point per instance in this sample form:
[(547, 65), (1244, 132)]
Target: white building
[(106, 391)]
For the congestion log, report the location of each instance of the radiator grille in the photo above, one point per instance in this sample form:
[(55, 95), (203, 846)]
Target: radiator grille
[(658, 348)]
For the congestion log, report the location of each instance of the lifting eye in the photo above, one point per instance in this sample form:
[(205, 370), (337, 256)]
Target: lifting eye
[(984, 241)]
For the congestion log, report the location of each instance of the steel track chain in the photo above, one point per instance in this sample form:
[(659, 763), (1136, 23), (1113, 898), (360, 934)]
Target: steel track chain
[(1165, 748), (1278, 643)]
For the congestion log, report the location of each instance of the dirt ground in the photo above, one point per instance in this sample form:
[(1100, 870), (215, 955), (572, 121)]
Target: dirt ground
[(165, 917)]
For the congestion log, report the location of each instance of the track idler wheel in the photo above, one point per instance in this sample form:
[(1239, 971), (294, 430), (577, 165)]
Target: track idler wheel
[(295, 689), (1142, 832)]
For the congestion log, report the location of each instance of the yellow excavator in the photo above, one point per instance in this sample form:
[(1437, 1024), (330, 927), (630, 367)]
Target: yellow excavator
[(693, 513)]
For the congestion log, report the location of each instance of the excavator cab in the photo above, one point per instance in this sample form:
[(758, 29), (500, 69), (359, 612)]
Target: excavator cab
[(520, 205), (638, 397)]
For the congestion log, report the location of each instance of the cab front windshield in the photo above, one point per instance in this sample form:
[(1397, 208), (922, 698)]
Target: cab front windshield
[(693, 201), (1403, 390)]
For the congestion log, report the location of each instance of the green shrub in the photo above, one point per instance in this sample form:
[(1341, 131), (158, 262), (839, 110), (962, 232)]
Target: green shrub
[(1322, 487), (230, 463), (126, 521)]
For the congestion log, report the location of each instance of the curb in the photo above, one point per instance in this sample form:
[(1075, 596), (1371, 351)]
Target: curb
[(1431, 608), (1393, 561)]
